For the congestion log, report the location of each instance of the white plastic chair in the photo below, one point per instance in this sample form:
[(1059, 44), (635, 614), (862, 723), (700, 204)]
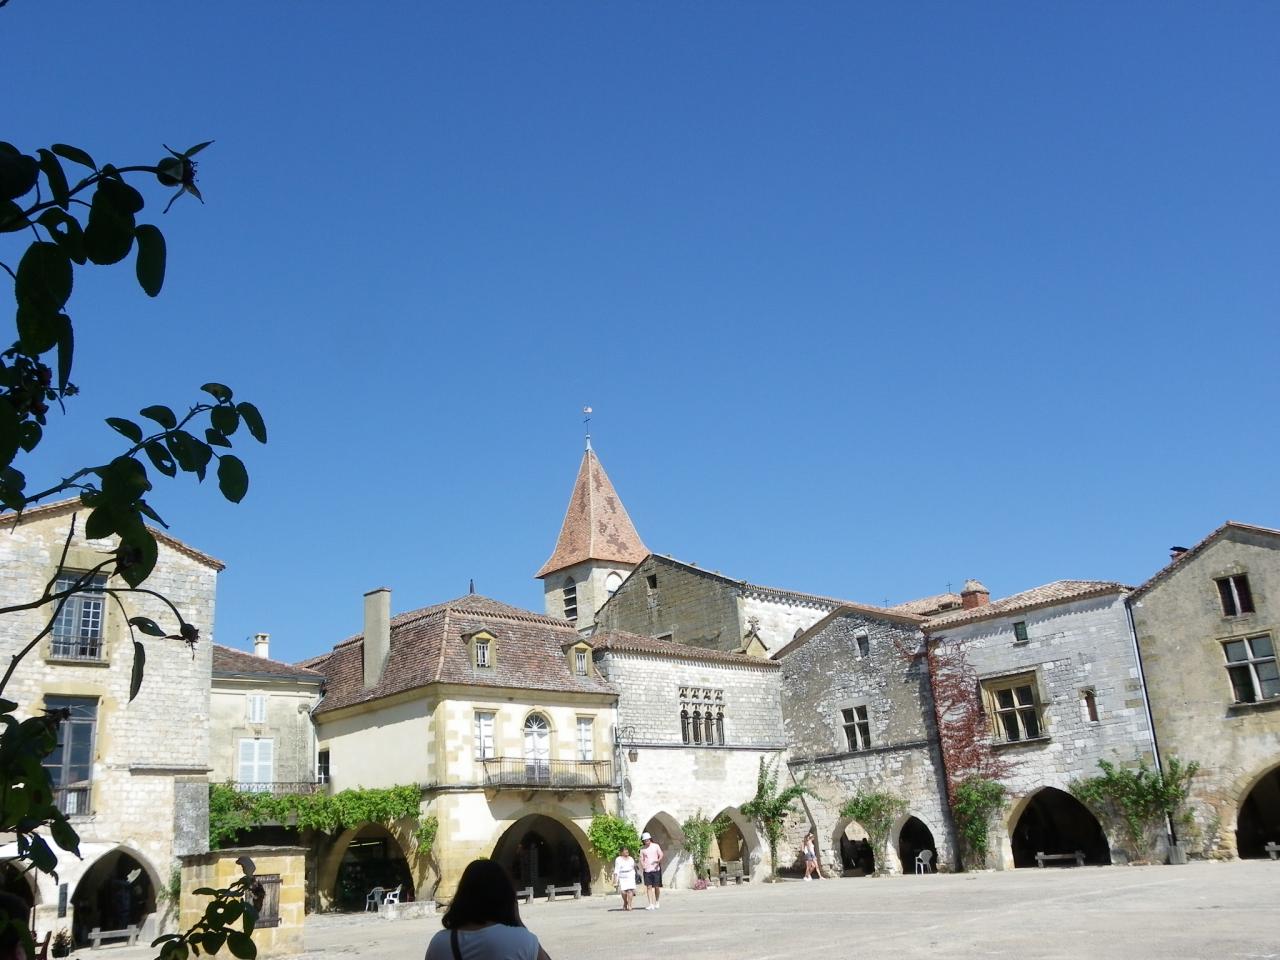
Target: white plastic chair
[(393, 896), (374, 899), (923, 859)]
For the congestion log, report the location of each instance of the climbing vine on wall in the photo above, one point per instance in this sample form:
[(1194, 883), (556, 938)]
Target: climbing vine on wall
[(973, 803), (1138, 800), (232, 812)]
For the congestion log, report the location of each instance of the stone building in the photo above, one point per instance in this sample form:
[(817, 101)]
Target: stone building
[(1207, 625), (1059, 678), (262, 737), (131, 776), (501, 717), (858, 716), (693, 726)]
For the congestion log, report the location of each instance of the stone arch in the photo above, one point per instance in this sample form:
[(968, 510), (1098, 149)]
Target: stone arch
[(349, 869), (543, 848), (741, 841), (115, 890), (851, 848), (21, 883), (668, 835), (1052, 821), (911, 835), (1258, 813)]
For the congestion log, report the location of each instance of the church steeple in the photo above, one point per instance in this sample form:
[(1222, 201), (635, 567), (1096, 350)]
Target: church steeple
[(598, 546)]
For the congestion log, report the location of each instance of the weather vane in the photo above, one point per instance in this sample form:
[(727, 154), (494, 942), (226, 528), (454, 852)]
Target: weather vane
[(586, 419)]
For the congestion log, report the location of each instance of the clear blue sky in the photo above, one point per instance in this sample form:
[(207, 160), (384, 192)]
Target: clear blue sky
[(867, 298)]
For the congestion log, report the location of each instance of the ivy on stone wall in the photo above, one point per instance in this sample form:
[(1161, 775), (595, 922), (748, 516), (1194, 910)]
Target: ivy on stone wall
[(877, 811), (231, 812), (1137, 801), (973, 803)]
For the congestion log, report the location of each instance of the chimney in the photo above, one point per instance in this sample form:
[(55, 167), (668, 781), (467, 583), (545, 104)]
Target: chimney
[(262, 645), (974, 595), (1176, 552), (377, 634)]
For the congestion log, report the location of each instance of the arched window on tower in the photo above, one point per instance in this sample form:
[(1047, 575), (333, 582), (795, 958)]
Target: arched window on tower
[(611, 584), (570, 599), (684, 725)]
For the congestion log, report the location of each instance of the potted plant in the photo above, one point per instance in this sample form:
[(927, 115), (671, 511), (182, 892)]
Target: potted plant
[(61, 945)]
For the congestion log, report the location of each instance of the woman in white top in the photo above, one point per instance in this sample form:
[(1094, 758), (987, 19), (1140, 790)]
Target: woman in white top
[(483, 921), (624, 877)]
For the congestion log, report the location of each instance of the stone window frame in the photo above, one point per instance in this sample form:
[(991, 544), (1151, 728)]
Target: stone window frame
[(482, 643), (1250, 665), (255, 786), (842, 725), (64, 791), (590, 721), (1020, 634), (253, 716), (477, 743), (324, 765), (1235, 594), (578, 654), (992, 686), (699, 729), (1089, 702), (862, 643), (62, 648)]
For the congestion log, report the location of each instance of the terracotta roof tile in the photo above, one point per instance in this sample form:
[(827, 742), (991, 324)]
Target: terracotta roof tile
[(230, 662), (596, 525), (623, 642), (1060, 591), (928, 606), (1186, 555), (430, 646)]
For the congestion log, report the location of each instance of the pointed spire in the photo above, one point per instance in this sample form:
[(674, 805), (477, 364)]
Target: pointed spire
[(596, 525), (472, 588)]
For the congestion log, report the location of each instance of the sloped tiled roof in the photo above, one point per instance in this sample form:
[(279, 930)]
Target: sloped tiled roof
[(928, 606), (230, 662), (596, 525), (430, 646), (623, 642), (1060, 591), (1195, 551), (73, 504)]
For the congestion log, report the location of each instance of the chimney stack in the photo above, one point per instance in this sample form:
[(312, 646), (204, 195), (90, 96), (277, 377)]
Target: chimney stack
[(377, 634), (262, 645), (974, 595)]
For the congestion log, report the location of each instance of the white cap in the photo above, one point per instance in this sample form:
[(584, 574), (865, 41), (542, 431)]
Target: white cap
[(645, 836)]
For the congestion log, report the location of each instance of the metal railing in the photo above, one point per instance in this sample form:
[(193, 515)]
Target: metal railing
[(279, 787), (561, 774), (72, 801), (76, 648)]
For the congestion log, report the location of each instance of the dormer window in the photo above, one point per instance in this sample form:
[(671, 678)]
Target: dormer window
[(482, 653), (483, 646), (580, 662)]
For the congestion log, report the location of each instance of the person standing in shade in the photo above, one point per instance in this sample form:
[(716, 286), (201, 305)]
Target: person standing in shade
[(810, 857), (624, 877), (651, 865)]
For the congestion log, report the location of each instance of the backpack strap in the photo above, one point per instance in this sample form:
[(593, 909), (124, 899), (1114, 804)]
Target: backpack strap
[(453, 942)]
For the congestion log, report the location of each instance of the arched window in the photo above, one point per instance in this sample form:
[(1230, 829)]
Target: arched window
[(1091, 706), (720, 727), (611, 583), (697, 726), (537, 748), (684, 725), (710, 721), (570, 599)]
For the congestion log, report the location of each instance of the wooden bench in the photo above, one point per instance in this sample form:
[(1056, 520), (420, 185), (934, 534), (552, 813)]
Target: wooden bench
[(526, 895), (730, 870), (574, 888), (97, 935), (1077, 856), (1273, 849)]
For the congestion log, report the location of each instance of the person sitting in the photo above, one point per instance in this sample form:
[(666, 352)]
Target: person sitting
[(483, 921)]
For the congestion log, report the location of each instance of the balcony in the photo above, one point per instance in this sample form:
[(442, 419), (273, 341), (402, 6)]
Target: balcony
[(72, 801), (279, 787), (72, 647), (547, 774)]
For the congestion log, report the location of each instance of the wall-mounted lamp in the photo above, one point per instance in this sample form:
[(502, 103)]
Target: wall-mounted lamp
[(633, 754)]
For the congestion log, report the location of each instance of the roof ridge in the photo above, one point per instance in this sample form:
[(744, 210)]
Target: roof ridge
[(444, 642), (1169, 568)]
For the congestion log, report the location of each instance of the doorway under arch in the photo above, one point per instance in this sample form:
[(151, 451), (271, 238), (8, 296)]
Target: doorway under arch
[(1054, 822), (853, 845), (117, 891), (372, 858), (538, 851), (913, 839), (668, 835), (1259, 820)]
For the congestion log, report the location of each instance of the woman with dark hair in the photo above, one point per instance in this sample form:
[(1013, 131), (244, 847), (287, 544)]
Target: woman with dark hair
[(483, 921)]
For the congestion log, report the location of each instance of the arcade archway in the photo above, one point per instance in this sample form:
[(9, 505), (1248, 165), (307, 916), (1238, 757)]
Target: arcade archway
[(116, 892), (1054, 822), (371, 858), (538, 851), (913, 839), (1259, 820), (853, 845)]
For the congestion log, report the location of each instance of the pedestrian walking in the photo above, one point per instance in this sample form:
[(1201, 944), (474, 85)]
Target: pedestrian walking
[(651, 865), (624, 876), (810, 851)]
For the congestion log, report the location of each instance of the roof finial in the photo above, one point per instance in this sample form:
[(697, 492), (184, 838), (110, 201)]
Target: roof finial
[(587, 420), (472, 587)]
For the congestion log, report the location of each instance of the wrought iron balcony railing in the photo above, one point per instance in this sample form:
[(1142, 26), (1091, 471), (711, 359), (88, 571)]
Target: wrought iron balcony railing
[(72, 801), (279, 787), (557, 774), (76, 647)]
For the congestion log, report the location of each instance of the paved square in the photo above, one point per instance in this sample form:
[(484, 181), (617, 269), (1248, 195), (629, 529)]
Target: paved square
[(1221, 911)]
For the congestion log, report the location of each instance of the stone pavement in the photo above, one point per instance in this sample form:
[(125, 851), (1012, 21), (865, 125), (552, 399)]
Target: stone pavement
[(1221, 911)]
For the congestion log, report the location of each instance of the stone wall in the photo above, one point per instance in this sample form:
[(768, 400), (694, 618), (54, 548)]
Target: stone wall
[(777, 618), (689, 606), (1181, 627), (288, 725), (219, 869)]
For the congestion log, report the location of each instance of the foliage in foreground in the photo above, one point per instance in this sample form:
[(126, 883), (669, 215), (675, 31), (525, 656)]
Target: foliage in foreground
[(973, 803), (877, 812), (770, 807), (1138, 801)]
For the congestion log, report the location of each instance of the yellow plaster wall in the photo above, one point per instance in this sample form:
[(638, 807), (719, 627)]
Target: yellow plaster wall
[(219, 869), (380, 748)]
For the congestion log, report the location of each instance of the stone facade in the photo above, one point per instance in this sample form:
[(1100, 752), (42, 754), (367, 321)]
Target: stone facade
[(849, 666), (145, 800), (279, 932), (1183, 632), (666, 780), (1073, 647)]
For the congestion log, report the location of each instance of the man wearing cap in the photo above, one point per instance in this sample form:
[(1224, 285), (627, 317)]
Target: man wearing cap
[(651, 866)]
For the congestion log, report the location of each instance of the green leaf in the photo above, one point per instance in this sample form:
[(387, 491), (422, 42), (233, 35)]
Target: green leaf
[(74, 154), (101, 523), (151, 259), (37, 327), (215, 439), (44, 276), (218, 391), (70, 238), (18, 172), (139, 547), (11, 217), (126, 427), (30, 433), (139, 665), (161, 458), (122, 196), (192, 151), (241, 945), (64, 835), (66, 350), (147, 626), (52, 170), (10, 431), (213, 940), (161, 415), (42, 855), (233, 479), (225, 420), (253, 421), (108, 238)]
